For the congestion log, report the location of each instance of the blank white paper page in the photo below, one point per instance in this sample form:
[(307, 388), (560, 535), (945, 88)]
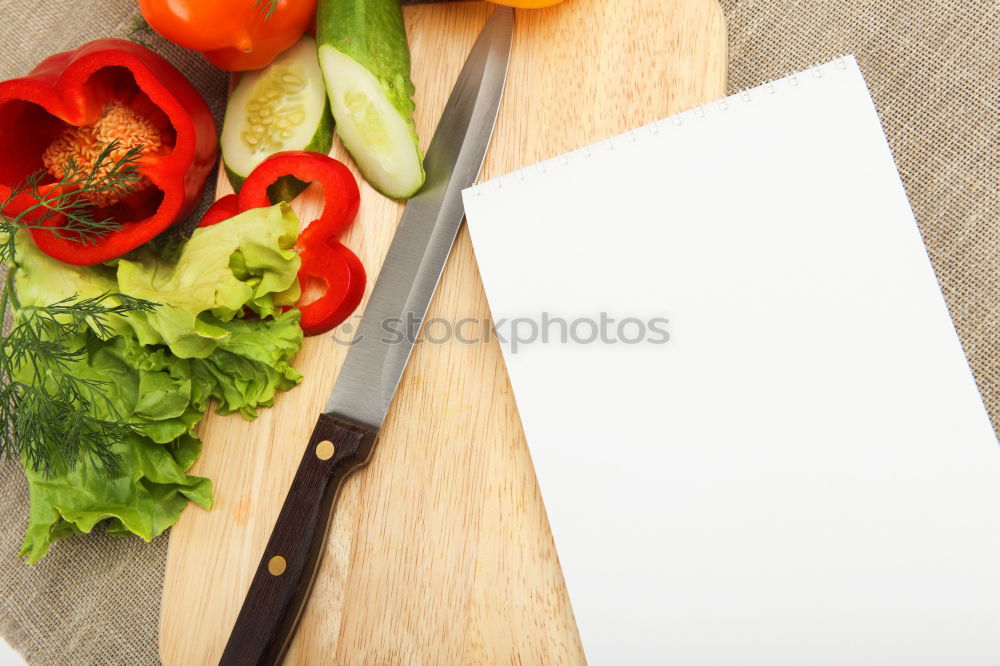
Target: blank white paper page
[(804, 472)]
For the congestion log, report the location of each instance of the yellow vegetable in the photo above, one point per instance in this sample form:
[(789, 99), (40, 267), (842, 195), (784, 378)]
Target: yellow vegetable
[(527, 4)]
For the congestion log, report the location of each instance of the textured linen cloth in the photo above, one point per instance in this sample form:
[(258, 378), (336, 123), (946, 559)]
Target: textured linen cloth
[(932, 66)]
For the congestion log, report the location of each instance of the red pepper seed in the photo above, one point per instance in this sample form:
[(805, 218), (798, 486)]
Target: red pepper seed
[(83, 145)]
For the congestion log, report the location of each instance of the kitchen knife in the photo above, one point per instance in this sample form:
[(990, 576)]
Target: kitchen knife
[(346, 431)]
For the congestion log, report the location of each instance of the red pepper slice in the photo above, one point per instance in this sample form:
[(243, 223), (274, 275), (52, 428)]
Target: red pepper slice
[(324, 259), (343, 279), (341, 197), (220, 211), (74, 104)]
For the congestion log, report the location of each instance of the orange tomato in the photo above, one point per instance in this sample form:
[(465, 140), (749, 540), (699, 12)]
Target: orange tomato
[(527, 4), (235, 35)]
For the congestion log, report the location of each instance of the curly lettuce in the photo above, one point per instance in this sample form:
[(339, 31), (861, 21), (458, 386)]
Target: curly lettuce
[(218, 334)]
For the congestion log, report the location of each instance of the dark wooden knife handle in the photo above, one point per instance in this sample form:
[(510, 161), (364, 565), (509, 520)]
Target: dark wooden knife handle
[(286, 571)]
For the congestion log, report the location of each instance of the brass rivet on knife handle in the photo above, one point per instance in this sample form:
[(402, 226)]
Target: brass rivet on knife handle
[(276, 565), (325, 450)]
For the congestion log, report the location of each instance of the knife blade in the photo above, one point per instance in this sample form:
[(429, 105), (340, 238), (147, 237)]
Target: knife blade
[(346, 432)]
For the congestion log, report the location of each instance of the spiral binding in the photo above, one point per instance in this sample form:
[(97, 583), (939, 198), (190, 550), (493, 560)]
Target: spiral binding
[(670, 123)]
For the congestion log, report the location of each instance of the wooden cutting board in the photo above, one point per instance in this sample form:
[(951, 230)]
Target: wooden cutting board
[(439, 551)]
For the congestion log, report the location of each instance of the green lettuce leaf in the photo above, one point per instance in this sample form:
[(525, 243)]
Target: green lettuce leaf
[(248, 260), (145, 499), (253, 364), (163, 368)]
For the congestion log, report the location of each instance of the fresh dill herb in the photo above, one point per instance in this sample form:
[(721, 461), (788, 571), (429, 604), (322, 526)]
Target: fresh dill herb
[(141, 32), (87, 313), (267, 7), (50, 416), (63, 208)]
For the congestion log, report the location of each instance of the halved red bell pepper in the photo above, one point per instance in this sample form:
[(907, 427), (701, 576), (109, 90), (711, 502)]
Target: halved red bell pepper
[(73, 104), (325, 260)]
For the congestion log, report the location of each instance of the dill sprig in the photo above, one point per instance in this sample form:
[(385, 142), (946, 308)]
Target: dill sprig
[(141, 32), (51, 416), (86, 313), (267, 7), (63, 208)]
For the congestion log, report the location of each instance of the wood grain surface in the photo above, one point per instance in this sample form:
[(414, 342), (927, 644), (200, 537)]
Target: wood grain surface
[(439, 551)]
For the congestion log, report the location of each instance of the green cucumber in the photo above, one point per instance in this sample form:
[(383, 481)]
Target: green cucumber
[(366, 63), (281, 107)]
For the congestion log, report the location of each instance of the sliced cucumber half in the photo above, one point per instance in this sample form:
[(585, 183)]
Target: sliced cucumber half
[(380, 139), (365, 59), (281, 107)]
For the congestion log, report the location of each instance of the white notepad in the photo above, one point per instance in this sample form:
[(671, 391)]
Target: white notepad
[(804, 473)]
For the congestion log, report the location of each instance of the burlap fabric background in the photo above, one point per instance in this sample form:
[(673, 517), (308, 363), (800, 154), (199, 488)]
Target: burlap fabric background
[(932, 66)]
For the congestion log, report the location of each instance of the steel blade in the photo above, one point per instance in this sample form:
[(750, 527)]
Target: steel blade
[(426, 231)]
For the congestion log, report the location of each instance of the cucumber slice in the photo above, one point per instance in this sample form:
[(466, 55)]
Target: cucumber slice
[(366, 64), (281, 107)]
